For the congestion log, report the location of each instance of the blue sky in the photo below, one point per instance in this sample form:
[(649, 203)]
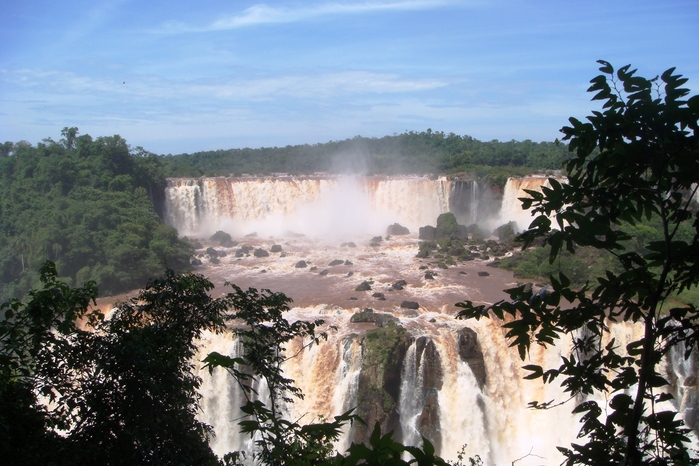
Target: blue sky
[(186, 76)]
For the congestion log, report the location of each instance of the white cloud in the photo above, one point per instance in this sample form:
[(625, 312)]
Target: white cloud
[(318, 86), (264, 14)]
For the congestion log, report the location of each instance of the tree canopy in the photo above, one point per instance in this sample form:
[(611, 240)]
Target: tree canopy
[(88, 205), (636, 160), (411, 152)]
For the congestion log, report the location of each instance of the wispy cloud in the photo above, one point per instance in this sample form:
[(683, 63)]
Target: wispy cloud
[(322, 85), (264, 14)]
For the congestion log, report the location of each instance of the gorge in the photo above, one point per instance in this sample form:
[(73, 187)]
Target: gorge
[(419, 372)]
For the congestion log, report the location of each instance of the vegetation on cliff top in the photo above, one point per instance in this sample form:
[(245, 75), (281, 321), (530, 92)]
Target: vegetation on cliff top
[(411, 152), (88, 205)]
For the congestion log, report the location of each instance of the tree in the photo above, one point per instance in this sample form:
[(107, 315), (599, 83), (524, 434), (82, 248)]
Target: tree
[(636, 160), (122, 390)]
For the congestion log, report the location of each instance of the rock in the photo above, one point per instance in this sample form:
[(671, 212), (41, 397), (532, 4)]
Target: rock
[(429, 363), (195, 262), (433, 320), (397, 229), (462, 273), (427, 233), (423, 267), (323, 272), (261, 253), (348, 263), (211, 252), (283, 254), (429, 276), (263, 271), (214, 260), (374, 244), (409, 305), (352, 298), (350, 273), (470, 353), (369, 316), (246, 249), (336, 262), (483, 274), (351, 245), (399, 285), (364, 286), (376, 239), (378, 386), (224, 239), (300, 264), (276, 248), (313, 269), (379, 296), (239, 253), (506, 232), (251, 235)]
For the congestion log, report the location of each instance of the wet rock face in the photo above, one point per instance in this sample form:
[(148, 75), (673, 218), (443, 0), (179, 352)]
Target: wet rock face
[(471, 354), (378, 391), (397, 229), (427, 233), (378, 318), (428, 359)]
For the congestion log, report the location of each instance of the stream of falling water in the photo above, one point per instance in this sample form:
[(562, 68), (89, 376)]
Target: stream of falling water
[(491, 420)]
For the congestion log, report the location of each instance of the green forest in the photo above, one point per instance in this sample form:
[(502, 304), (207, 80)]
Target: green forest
[(89, 205), (411, 152)]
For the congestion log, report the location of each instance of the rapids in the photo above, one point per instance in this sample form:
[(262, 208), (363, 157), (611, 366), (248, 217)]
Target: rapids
[(439, 394)]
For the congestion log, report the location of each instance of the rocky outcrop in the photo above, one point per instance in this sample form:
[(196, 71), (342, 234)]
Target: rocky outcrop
[(364, 286), (470, 353), (276, 248), (261, 253), (430, 364), (378, 391), (427, 233), (397, 229), (399, 285), (410, 305), (369, 316), (301, 264), (336, 262), (224, 239)]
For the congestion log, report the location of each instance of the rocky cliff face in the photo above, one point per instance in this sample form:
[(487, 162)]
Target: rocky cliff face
[(383, 352), (385, 365)]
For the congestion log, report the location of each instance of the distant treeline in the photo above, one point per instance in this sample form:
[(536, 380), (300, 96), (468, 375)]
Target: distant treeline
[(416, 153), (88, 205)]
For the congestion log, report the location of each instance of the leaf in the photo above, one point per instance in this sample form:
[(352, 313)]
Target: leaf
[(536, 371)]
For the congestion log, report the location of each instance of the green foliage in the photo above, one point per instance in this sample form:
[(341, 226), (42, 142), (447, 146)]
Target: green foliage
[(635, 161), (122, 390), (87, 205), (410, 152)]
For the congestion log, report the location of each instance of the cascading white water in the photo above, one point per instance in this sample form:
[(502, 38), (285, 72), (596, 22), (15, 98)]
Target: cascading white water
[(492, 419), (412, 399), (511, 209), (313, 206)]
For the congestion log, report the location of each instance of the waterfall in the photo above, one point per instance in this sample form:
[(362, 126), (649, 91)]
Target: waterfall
[(312, 206), (412, 399), (336, 206)]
